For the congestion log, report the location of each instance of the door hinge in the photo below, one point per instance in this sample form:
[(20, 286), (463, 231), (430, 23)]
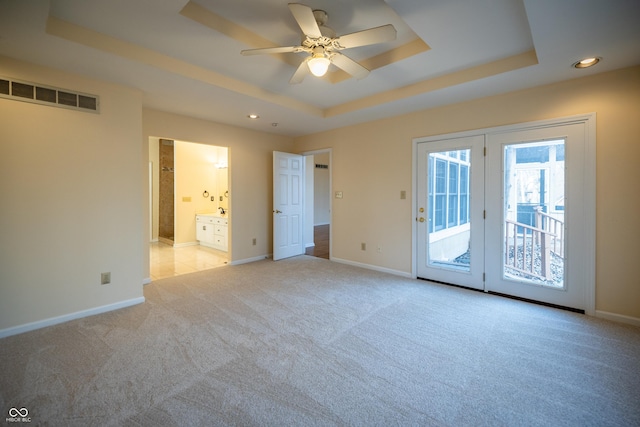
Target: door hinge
[(483, 277), (485, 151), (484, 214)]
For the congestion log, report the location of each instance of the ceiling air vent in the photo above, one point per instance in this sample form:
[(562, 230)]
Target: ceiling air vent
[(48, 95)]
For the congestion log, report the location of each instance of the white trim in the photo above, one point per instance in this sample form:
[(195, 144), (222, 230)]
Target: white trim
[(146, 281), (373, 267), (67, 317), (248, 260), (635, 321), (184, 245), (310, 245)]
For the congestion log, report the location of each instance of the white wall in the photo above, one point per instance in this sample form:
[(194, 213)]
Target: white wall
[(72, 202)]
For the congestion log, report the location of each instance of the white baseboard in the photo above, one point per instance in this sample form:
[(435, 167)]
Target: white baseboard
[(373, 267), (618, 317), (247, 260), (15, 330), (146, 281), (184, 245), (310, 245)]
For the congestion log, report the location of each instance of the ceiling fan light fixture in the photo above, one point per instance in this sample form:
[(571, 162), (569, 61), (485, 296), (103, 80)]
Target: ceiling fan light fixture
[(318, 65)]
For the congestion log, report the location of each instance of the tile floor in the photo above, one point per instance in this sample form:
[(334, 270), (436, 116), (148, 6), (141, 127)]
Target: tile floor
[(167, 261)]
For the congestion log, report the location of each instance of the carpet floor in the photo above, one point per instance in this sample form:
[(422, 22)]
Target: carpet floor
[(306, 341)]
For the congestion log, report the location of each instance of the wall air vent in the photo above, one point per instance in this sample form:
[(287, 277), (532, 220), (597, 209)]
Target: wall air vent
[(47, 95)]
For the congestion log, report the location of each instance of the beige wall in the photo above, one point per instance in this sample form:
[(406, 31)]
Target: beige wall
[(372, 164), (68, 210), (250, 169)]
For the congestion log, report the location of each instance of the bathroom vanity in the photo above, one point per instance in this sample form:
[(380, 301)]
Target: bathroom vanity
[(211, 230)]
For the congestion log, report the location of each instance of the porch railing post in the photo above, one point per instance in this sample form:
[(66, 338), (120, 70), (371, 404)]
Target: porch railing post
[(545, 249)]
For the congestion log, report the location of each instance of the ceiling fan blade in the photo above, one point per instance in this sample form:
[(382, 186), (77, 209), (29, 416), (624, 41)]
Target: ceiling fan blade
[(283, 49), (385, 33), (349, 65), (300, 73), (303, 14)]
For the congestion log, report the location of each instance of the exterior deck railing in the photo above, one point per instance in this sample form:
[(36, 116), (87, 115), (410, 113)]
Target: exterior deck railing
[(528, 249), (553, 226)]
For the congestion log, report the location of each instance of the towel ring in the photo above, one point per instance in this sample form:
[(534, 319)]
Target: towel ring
[(205, 194)]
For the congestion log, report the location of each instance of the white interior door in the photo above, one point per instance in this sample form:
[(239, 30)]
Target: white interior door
[(450, 201), (288, 205), (536, 233)]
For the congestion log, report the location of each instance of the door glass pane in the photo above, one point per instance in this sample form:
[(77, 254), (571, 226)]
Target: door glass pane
[(449, 229), (534, 220)]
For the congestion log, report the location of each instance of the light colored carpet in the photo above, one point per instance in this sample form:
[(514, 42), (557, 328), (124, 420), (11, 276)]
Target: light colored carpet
[(306, 341)]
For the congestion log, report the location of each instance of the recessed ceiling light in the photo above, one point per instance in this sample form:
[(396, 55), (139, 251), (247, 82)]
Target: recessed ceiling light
[(253, 116), (587, 62)]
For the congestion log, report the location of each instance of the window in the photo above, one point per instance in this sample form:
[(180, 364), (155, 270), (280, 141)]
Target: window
[(448, 189)]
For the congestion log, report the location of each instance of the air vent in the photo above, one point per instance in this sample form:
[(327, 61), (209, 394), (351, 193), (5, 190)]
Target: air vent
[(47, 95), (319, 166)]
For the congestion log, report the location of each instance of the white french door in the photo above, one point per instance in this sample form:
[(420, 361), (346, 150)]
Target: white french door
[(288, 205), (510, 210), (535, 227), (450, 200)]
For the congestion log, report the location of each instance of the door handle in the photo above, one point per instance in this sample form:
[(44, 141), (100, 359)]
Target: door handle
[(421, 219), (277, 211)]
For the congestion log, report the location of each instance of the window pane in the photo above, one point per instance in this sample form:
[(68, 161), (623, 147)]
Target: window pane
[(448, 229), (533, 224)]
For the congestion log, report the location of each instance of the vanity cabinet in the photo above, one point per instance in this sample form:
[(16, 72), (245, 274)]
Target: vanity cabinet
[(211, 231)]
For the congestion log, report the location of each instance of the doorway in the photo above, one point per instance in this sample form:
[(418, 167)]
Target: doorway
[(186, 179), (510, 211), (318, 211)]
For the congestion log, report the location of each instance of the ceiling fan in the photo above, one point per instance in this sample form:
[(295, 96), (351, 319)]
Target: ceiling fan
[(323, 46)]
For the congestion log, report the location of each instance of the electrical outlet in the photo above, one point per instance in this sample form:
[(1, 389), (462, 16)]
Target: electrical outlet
[(254, 241), (105, 278), (213, 198), (403, 194), (363, 246)]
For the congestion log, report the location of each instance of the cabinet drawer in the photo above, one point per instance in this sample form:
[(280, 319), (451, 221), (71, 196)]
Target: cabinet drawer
[(220, 230), (205, 219), (220, 221)]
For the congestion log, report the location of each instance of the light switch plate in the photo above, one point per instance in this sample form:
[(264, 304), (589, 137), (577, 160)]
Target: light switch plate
[(338, 194)]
